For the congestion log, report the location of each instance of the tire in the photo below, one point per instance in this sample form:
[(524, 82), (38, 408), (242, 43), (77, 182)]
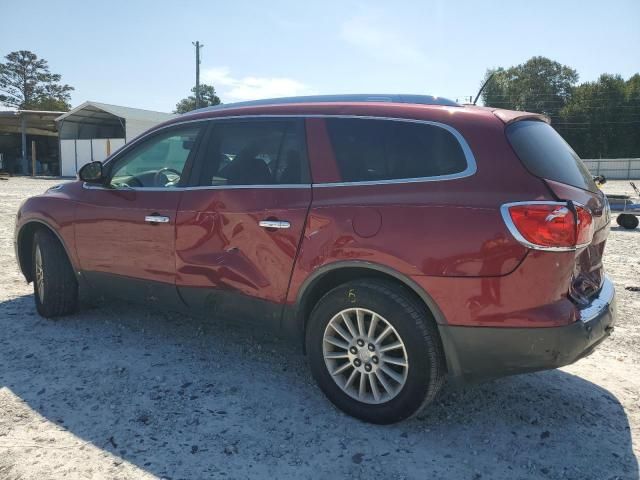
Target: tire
[(411, 324), (628, 221), (55, 287)]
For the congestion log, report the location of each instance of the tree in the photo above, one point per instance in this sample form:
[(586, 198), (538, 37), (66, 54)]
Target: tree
[(27, 84), (538, 85), (602, 119), (208, 98), (632, 115)]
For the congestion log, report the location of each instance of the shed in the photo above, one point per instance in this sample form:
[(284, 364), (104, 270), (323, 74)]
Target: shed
[(93, 130), (20, 132)]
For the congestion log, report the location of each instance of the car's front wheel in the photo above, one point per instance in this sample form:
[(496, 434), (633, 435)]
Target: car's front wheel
[(54, 284), (375, 351)]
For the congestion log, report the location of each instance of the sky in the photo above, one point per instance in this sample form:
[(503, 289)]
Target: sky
[(140, 53)]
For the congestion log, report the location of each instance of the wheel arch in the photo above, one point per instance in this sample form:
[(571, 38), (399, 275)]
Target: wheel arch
[(24, 242), (328, 276)]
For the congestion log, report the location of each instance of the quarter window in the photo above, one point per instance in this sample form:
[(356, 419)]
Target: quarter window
[(547, 155), (158, 162), (370, 150), (256, 152)]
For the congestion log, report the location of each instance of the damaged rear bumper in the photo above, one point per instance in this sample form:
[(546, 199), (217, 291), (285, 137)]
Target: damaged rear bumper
[(481, 353)]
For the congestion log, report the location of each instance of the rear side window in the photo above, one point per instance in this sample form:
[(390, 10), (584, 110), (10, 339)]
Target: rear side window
[(256, 152), (370, 150), (545, 154)]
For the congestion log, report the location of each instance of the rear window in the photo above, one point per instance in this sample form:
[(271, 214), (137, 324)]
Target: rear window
[(545, 154), (370, 150)]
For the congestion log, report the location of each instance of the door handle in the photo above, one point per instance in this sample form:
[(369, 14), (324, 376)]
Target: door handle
[(156, 219), (274, 224)]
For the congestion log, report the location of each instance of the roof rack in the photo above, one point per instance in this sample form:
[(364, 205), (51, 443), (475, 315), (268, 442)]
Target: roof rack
[(373, 98)]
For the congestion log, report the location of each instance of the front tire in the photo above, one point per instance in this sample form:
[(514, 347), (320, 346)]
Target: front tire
[(55, 286), (375, 351)]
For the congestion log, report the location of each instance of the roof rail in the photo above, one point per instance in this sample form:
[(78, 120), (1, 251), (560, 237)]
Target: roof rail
[(373, 98)]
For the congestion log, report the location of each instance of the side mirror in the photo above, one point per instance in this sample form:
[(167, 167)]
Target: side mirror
[(91, 172)]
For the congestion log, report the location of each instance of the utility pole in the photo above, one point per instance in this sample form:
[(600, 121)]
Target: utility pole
[(198, 46)]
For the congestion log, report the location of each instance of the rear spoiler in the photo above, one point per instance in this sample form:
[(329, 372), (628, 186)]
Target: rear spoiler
[(510, 116)]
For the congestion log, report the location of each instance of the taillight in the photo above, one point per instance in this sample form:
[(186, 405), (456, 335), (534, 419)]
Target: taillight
[(584, 227), (549, 225)]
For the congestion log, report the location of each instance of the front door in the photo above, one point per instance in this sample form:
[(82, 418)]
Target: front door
[(238, 233), (125, 230)]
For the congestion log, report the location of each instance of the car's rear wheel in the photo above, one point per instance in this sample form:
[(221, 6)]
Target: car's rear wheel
[(628, 221), (375, 351), (55, 286)]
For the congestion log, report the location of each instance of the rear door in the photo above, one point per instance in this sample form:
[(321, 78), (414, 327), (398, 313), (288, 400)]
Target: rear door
[(548, 156), (238, 232)]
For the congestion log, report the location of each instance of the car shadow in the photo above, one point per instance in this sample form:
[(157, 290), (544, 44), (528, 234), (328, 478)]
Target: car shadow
[(182, 397), (628, 230)]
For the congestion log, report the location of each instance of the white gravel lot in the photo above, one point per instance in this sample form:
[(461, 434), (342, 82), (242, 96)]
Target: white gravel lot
[(121, 392)]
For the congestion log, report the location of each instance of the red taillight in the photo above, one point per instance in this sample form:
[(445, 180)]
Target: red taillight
[(549, 225), (585, 226)]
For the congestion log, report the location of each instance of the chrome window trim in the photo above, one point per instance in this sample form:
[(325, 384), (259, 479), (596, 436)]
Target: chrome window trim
[(200, 187), (504, 211), (470, 170), (467, 172), (248, 187)]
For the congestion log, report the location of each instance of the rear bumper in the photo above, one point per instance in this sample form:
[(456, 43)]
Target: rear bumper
[(480, 353)]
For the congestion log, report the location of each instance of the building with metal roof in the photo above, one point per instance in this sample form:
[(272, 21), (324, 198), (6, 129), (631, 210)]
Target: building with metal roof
[(93, 130), (20, 132)]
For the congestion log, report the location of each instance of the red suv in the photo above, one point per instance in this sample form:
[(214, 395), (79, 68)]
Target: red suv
[(399, 239)]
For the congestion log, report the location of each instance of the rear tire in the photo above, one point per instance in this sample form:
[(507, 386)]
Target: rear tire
[(408, 369), (628, 221), (55, 286)]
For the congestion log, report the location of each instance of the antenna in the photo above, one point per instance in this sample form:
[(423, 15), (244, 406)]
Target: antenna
[(482, 88)]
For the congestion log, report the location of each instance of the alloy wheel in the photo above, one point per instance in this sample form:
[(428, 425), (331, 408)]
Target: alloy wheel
[(365, 355), (39, 274)]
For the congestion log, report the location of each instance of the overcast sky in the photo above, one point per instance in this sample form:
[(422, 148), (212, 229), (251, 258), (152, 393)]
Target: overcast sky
[(139, 53)]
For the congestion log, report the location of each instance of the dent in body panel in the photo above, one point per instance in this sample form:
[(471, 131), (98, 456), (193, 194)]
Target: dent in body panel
[(220, 245)]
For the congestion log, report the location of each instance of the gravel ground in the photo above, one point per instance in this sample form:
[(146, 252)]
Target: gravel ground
[(121, 392)]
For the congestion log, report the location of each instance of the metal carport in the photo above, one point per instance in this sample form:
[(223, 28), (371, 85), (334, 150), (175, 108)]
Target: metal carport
[(93, 130), (18, 130)]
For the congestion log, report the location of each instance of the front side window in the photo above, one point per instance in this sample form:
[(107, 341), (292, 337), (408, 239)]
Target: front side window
[(158, 162), (371, 150), (256, 152)]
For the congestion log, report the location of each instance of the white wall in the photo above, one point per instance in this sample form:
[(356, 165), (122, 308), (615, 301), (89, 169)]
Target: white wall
[(76, 153), (614, 168), (133, 128), (83, 153), (67, 158), (103, 147)]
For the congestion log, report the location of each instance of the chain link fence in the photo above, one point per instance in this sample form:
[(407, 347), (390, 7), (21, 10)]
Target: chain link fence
[(615, 168)]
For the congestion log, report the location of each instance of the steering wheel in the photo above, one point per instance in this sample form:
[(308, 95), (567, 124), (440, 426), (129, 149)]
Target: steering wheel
[(163, 171)]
